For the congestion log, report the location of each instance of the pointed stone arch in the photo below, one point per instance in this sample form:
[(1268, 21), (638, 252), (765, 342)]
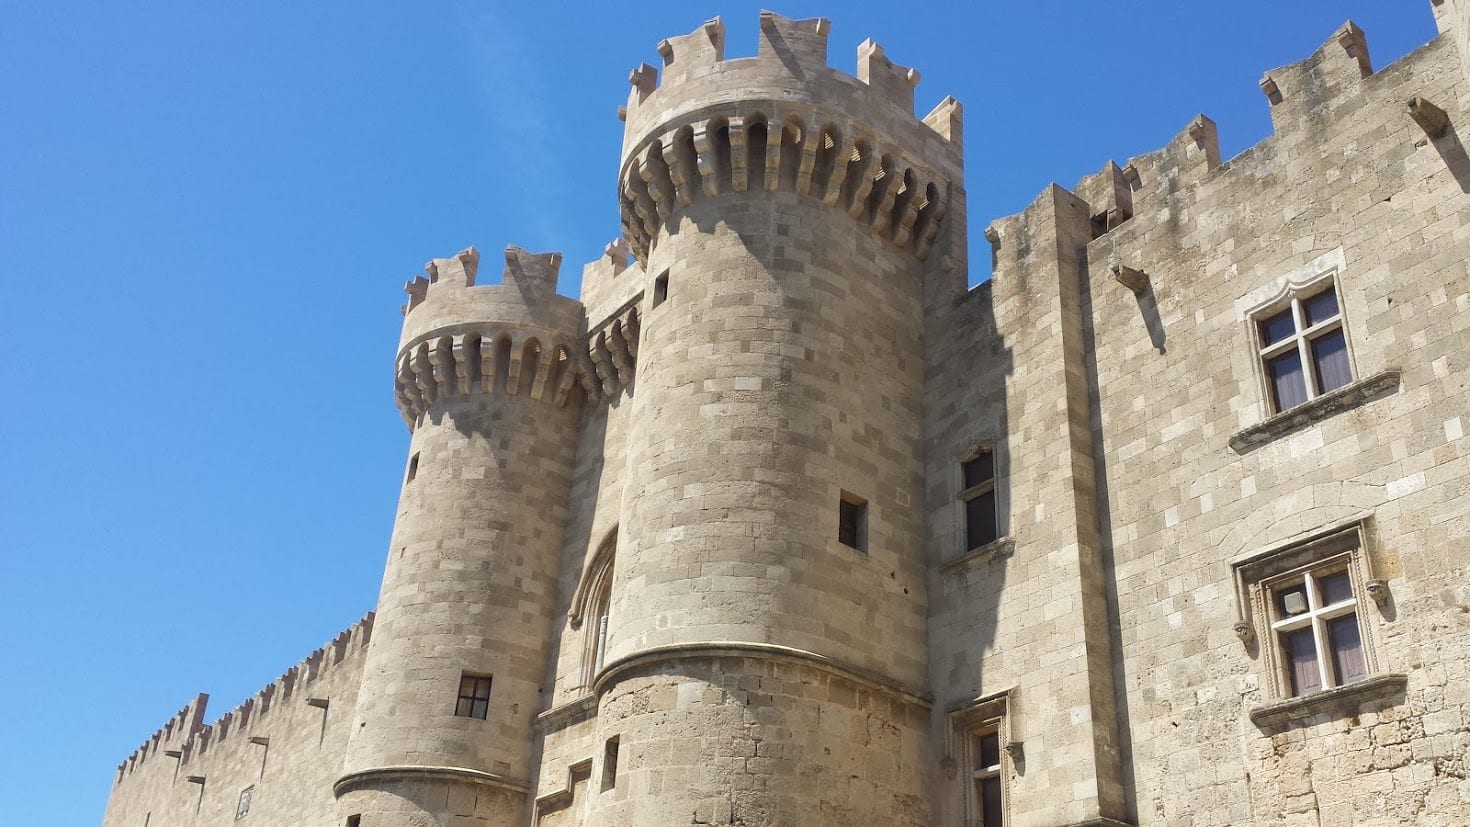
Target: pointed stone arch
[(591, 603)]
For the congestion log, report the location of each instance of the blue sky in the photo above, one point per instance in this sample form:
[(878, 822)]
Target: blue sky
[(207, 211)]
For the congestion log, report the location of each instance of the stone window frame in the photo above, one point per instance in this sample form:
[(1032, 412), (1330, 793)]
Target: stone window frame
[(988, 714), (242, 806), (1259, 576), (1259, 304), (1003, 545), (1291, 298)]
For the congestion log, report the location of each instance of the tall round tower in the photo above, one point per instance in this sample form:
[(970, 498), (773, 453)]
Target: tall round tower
[(454, 672), (766, 656)]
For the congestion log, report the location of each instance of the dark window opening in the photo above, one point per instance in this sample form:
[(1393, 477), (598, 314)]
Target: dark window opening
[(354, 821), (610, 764), (985, 767), (852, 521), (474, 696), (1304, 349), (982, 524), (413, 467), (661, 288), (1318, 611)]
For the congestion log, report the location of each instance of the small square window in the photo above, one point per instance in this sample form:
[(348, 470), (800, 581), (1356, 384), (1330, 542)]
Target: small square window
[(977, 475), (1303, 347), (474, 696), (852, 521), (354, 821)]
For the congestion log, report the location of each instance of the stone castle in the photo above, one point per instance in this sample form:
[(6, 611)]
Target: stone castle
[(781, 524)]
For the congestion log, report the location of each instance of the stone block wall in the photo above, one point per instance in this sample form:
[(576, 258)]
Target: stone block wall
[(285, 744)]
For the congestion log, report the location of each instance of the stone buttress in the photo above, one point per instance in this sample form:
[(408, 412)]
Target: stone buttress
[(487, 381)]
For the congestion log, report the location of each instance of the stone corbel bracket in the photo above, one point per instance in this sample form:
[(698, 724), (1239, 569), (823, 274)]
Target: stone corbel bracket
[(1433, 120), (1131, 278)]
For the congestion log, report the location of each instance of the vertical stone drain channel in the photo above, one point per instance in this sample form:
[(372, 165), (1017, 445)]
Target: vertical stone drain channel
[(762, 669), (455, 667)]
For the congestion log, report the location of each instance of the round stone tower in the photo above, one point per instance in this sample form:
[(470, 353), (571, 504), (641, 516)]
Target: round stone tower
[(454, 672), (766, 653)]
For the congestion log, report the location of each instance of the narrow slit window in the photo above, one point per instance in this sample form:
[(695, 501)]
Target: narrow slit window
[(610, 764), (474, 696), (852, 521), (413, 467), (661, 288)]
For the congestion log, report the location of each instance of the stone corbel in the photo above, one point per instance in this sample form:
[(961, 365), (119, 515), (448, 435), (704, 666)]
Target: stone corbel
[(1433, 120), (1131, 278), (1244, 631)]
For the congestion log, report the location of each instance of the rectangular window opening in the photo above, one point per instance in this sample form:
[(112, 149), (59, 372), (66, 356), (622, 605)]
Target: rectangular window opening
[(1315, 619), (852, 521), (474, 696), (661, 288), (985, 775), (243, 806), (354, 821), (982, 523), (1303, 348), (610, 764), (413, 467)]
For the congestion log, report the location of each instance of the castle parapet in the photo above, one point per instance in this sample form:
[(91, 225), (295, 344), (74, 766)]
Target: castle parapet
[(186, 736), (785, 121), (515, 337)]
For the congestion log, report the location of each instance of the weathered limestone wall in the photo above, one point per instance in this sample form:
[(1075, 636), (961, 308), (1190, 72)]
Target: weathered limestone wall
[(1184, 484), (286, 742), (1349, 178), (1024, 615), (568, 747)]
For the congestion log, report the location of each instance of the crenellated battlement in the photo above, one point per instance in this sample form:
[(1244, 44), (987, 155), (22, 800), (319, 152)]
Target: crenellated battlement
[(785, 121), (1336, 78), (788, 52), (169, 738), (516, 338), (185, 735)]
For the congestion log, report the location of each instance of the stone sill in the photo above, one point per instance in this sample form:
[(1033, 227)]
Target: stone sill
[(993, 550), (1340, 699), (1345, 398)]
